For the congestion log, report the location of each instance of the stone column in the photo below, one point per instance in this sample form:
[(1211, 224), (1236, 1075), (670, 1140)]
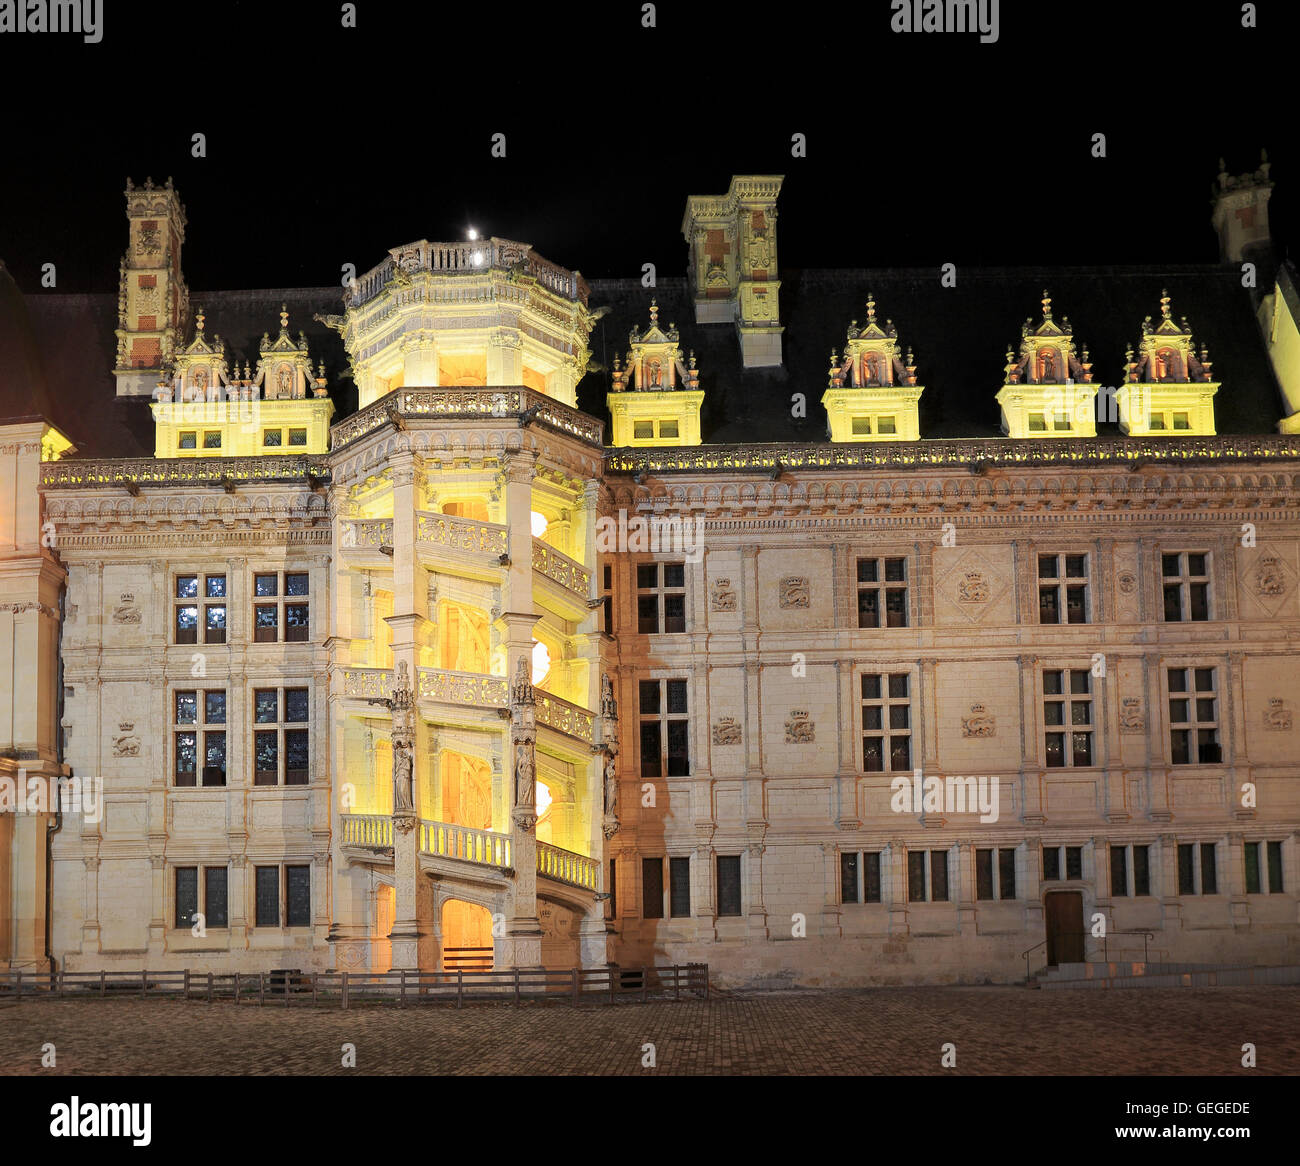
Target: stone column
[(505, 357), (523, 947)]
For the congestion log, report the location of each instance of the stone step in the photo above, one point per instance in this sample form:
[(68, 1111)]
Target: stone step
[(1219, 977), (1097, 968)]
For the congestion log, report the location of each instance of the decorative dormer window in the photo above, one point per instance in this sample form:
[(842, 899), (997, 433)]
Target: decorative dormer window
[(663, 406), (1047, 390), (872, 393), (1167, 387)]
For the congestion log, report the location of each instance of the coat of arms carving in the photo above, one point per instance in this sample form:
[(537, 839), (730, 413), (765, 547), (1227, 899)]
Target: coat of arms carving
[(722, 596), (980, 723), (799, 730), (1131, 719), (726, 731), (794, 591), (973, 587), (1269, 577), (1277, 715), (126, 611)]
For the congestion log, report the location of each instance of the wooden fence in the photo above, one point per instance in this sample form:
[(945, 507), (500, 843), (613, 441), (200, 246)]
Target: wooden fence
[(290, 988)]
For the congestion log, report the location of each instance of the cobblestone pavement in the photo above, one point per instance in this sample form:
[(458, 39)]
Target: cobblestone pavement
[(887, 1031)]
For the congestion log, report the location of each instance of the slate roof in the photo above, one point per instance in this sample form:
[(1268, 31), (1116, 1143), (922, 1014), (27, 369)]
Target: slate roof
[(959, 337)]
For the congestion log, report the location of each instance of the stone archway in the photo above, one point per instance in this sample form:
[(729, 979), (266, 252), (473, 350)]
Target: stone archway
[(467, 943)]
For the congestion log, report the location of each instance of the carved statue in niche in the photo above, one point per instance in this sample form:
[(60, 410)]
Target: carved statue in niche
[(200, 380), (611, 786), (1165, 365), (525, 776), (1047, 359), (521, 688), (608, 705), (871, 369), (401, 705), (285, 379), (654, 375)]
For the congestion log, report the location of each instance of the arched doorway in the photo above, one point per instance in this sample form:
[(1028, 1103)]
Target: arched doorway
[(466, 937)]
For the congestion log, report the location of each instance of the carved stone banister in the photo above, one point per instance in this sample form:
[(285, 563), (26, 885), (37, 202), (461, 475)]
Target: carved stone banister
[(565, 571), (372, 830), (564, 866), (466, 534), (366, 532), (446, 840), (367, 682), (504, 402), (468, 688), (945, 452), (203, 471), (565, 717)]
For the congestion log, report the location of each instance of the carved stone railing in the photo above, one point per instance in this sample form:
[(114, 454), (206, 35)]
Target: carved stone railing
[(470, 688), (466, 534), (374, 830), (197, 471), (468, 258), (446, 840), (972, 451), (506, 401), (564, 866), (366, 532), (367, 682), (564, 570), (564, 717)]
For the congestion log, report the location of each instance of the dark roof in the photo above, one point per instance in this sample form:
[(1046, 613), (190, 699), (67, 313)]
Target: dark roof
[(23, 391), (959, 337)]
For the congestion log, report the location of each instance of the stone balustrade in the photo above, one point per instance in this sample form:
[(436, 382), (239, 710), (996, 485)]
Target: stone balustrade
[(446, 840), (366, 532), (565, 571), (468, 688), (374, 830), (196, 471), (466, 534), (565, 717), (367, 682), (565, 866)]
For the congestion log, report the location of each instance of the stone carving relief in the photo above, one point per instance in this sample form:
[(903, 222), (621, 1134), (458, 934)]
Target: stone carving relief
[(722, 596), (1127, 582), (1277, 716), (973, 587), (794, 591), (1131, 719), (799, 730), (126, 611), (1270, 579), (125, 741), (980, 723), (726, 731)]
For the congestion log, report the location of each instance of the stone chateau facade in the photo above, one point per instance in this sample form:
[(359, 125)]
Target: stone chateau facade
[(452, 681)]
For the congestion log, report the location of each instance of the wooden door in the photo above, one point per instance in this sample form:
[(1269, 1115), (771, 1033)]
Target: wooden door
[(1063, 913)]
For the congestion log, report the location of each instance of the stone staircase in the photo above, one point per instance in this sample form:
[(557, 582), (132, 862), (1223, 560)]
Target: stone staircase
[(1136, 974)]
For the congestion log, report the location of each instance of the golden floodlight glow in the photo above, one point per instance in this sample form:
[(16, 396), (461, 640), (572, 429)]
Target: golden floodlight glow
[(541, 662), (543, 798), (473, 234), (539, 524)]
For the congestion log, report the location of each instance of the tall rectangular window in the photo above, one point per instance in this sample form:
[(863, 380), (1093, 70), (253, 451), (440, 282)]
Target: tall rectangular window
[(1197, 869), (995, 873), (267, 888), (927, 876), (652, 888), (665, 728), (860, 877), (215, 899), (1185, 577), (679, 887), (613, 888), (1263, 868), (298, 896), (199, 737), (728, 884), (1118, 871), (187, 895), (607, 597), (280, 736), (1067, 716), (199, 599), (1130, 870), (1052, 867), (660, 598), (882, 593), (1063, 589), (886, 723), (281, 607), (1194, 717)]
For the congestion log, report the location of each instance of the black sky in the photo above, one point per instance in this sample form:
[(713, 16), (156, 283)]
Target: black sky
[(328, 145)]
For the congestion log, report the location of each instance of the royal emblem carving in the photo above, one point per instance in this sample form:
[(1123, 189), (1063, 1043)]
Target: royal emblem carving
[(726, 731), (1127, 582), (126, 610), (722, 595), (794, 591), (1277, 716), (980, 723), (125, 741), (799, 730), (1131, 719), (1269, 577), (973, 587)]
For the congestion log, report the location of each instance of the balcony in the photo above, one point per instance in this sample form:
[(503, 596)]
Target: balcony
[(464, 540), (562, 716), (571, 575), (475, 689)]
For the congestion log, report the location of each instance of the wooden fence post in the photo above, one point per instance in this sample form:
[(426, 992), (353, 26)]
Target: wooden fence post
[(261, 987), (345, 989), (103, 985), (460, 987), (516, 987)]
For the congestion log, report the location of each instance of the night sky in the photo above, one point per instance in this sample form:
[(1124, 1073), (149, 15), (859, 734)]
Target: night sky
[(328, 145)]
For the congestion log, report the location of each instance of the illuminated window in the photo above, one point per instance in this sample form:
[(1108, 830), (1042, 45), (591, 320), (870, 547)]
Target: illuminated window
[(668, 429), (1060, 422), (271, 437), (886, 425), (541, 662), (1037, 423), (861, 425), (212, 439), (199, 737), (187, 440), (297, 437), (280, 736), (187, 605), (1157, 421), (643, 430), (1181, 421), (1067, 716)]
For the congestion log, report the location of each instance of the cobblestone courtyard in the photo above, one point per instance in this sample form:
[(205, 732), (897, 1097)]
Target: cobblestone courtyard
[(894, 1031)]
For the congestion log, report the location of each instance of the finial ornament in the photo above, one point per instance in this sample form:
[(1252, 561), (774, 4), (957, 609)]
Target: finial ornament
[(1047, 305), (654, 313), (198, 320), (1164, 303), (284, 318), (871, 307)]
